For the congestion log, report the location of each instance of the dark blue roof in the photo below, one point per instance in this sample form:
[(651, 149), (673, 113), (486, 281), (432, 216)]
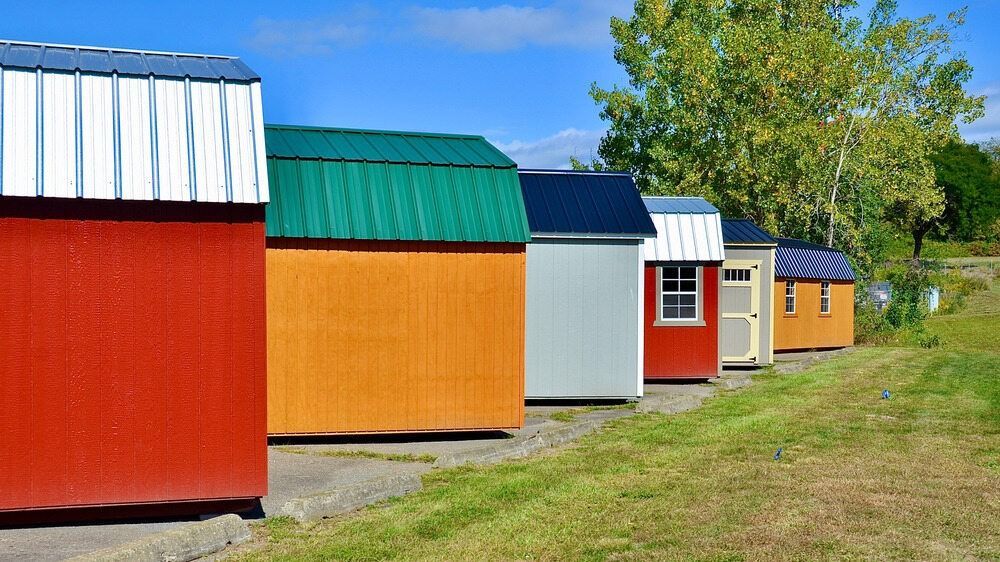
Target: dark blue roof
[(799, 259), (138, 63), (582, 203), (742, 231), (679, 205)]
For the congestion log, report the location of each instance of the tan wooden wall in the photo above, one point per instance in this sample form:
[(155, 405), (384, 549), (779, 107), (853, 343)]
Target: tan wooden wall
[(394, 336), (807, 328)]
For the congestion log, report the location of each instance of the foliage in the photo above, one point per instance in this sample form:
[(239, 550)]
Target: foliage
[(908, 306), (971, 184), (797, 114)]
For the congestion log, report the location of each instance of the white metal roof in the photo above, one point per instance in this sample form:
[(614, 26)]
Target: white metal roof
[(108, 135), (684, 235)]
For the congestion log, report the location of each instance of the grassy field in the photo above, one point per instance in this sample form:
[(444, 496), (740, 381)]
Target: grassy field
[(913, 477)]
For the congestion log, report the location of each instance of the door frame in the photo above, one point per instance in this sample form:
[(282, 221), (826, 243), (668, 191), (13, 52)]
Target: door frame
[(752, 317)]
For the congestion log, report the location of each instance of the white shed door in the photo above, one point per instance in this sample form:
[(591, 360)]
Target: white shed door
[(740, 310)]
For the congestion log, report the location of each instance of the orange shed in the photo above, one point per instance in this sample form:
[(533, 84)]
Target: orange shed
[(395, 283), (813, 297)]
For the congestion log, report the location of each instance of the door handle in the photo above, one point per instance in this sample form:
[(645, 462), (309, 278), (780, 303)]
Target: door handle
[(754, 315)]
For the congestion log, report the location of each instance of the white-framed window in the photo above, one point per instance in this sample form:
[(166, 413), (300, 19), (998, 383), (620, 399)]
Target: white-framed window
[(736, 275), (790, 297), (824, 297), (679, 293)]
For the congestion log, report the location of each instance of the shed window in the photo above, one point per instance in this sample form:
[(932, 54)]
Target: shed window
[(824, 298), (679, 293), (736, 275), (789, 297)]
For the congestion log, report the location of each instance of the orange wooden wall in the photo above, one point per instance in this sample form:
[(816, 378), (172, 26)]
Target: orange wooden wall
[(807, 328), (369, 336)]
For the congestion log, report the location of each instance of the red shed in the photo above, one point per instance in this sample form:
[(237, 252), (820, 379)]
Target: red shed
[(682, 282), (132, 308)]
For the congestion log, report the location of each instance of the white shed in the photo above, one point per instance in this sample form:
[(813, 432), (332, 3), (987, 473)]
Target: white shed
[(584, 285)]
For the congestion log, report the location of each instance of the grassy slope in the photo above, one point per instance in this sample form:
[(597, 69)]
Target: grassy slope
[(914, 477)]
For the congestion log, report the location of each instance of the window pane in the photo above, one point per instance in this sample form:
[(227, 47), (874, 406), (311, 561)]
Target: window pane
[(689, 300), (670, 300), (670, 286), (688, 312), (670, 273), (689, 272), (669, 312), (689, 286)]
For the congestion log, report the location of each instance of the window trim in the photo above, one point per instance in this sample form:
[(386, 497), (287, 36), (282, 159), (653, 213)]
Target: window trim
[(794, 286), (699, 299), (827, 287), (737, 283)]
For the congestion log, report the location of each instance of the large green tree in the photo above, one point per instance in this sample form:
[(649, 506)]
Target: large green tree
[(970, 182), (796, 113)]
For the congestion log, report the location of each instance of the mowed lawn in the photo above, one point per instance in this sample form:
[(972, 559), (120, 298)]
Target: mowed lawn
[(913, 477)]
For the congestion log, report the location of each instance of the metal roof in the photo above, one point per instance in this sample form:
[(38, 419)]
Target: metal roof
[(676, 205), (381, 185), (687, 229), (400, 147), (798, 259), (92, 135), (572, 203), (743, 231), (70, 58)]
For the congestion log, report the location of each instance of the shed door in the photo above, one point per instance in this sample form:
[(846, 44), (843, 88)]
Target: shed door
[(740, 310)]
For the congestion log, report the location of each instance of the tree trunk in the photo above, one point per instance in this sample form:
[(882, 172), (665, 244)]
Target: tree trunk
[(918, 242)]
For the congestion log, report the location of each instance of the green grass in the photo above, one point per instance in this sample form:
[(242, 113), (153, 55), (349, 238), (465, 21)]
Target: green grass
[(572, 413), (913, 477), (901, 248), (361, 454)]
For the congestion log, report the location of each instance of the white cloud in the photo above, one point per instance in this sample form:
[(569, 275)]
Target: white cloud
[(321, 36), (581, 24), (553, 151), (989, 125)]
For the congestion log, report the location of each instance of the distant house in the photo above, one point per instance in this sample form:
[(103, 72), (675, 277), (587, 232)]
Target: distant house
[(746, 301), (395, 283), (682, 283), (813, 297), (584, 288)]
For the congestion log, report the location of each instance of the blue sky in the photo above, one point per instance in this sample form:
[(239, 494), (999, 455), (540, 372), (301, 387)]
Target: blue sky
[(517, 72)]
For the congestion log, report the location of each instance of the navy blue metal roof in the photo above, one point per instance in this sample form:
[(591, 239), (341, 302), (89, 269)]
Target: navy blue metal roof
[(679, 205), (584, 203), (742, 231), (798, 259), (138, 63)]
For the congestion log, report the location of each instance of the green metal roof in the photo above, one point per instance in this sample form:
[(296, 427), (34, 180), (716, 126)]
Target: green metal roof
[(382, 185)]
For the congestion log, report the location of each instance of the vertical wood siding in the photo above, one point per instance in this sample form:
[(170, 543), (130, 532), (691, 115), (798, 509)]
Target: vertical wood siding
[(583, 319), (807, 328), (368, 336), (683, 351), (133, 358)]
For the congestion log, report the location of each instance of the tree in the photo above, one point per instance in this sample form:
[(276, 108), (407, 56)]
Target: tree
[(970, 182), (795, 113)]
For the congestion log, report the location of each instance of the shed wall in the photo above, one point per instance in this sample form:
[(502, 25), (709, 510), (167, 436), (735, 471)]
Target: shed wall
[(370, 336), (682, 351), (807, 328), (766, 257), (583, 325), (133, 358)]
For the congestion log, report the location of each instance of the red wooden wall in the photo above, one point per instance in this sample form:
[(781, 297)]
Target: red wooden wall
[(133, 353), (683, 351)]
